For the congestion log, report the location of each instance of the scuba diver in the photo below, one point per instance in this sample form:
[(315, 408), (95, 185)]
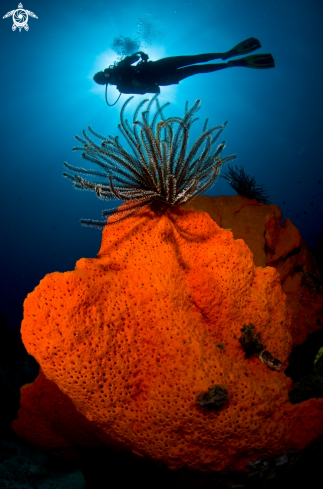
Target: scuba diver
[(146, 76)]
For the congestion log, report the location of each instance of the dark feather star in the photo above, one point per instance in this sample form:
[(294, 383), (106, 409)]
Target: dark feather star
[(161, 170)]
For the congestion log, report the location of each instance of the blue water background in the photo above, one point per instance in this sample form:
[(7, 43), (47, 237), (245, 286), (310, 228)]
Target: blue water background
[(48, 95)]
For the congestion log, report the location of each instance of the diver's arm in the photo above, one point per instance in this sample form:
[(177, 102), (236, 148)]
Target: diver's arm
[(129, 60), (143, 55)]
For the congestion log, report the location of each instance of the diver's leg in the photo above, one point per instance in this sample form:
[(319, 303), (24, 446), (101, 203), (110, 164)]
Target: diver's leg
[(248, 46), (175, 76), (180, 61), (259, 61)]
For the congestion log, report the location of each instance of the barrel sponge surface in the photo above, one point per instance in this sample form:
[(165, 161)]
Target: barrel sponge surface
[(51, 422), (274, 243), (133, 336)]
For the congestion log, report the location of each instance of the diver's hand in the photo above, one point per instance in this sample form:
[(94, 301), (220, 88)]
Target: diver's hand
[(144, 56), (135, 57)]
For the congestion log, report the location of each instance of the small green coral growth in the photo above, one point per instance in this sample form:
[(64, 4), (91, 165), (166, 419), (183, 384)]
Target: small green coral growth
[(214, 398), (250, 340), (311, 385), (318, 362), (312, 282), (308, 279)]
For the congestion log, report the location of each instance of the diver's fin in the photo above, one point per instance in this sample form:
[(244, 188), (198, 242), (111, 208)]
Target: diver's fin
[(243, 47), (254, 61)]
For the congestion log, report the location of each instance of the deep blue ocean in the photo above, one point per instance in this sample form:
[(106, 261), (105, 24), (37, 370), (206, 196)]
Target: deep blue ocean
[(48, 95)]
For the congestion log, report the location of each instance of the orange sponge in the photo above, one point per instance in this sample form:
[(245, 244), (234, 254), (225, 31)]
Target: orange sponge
[(48, 419), (276, 244), (137, 335)]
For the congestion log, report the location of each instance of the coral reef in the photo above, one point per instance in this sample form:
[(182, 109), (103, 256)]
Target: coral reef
[(141, 350), (132, 338)]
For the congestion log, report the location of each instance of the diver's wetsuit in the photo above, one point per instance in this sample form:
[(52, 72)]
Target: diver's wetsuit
[(146, 76)]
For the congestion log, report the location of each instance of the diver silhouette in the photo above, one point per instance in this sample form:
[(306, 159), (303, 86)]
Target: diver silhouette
[(146, 76)]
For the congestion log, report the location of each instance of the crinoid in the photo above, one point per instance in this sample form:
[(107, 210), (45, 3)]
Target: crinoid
[(160, 171), (245, 185)]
